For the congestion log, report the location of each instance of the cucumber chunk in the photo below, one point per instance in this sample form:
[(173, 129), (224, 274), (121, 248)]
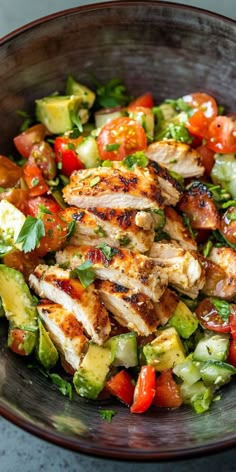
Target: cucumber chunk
[(212, 347)]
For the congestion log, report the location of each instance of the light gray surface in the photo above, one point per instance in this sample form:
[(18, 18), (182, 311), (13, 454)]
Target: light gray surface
[(17, 448)]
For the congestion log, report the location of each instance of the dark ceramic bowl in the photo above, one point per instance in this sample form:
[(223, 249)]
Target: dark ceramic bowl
[(170, 50)]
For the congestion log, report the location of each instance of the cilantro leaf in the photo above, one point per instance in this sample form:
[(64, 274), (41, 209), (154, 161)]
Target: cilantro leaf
[(232, 216), (178, 132), (108, 251), (27, 120), (111, 95), (186, 221), (31, 233), (107, 415), (100, 232), (75, 118), (222, 307), (64, 386), (71, 229), (180, 105), (84, 273), (136, 159)]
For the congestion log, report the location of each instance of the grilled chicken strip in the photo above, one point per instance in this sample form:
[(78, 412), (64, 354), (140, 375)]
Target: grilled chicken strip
[(134, 311), (221, 273), (113, 187), (177, 231), (65, 331), (177, 157), (122, 266), (182, 267), (171, 190), (166, 306), (55, 284), (129, 228)]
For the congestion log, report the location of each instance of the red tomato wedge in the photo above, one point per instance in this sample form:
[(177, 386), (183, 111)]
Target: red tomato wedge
[(56, 231), (145, 390), (207, 158), (66, 155), (232, 353), (222, 135), (121, 386), (25, 141), (119, 138), (167, 391), (16, 341), (10, 172), (47, 202), (145, 100), (204, 110), (209, 317), (34, 179)]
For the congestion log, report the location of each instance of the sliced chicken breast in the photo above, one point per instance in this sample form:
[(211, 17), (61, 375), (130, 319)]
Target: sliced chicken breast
[(134, 311), (122, 266), (112, 226), (221, 273), (182, 267), (171, 190), (65, 331), (166, 305), (177, 231), (113, 187), (177, 157), (55, 284)]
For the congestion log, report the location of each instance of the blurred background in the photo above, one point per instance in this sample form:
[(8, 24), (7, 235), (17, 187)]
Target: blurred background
[(17, 448)]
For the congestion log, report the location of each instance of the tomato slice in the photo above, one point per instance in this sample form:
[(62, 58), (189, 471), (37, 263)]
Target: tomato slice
[(204, 110), (25, 141), (34, 179), (16, 339), (232, 353), (44, 157), (56, 231), (228, 224), (145, 390), (232, 321), (10, 172), (167, 391), (120, 137), (66, 156), (121, 386), (207, 158), (145, 100), (222, 135), (209, 317), (49, 203)]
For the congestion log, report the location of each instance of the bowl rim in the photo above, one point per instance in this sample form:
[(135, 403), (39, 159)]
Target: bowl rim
[(53, 436)]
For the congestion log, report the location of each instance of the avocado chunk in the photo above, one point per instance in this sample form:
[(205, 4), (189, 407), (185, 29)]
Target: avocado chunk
[(18, 305), (183, 320), (86, 95), (124, 349), (11, 222), (165, 351), (60, 113), (46, 352), (90, 378)]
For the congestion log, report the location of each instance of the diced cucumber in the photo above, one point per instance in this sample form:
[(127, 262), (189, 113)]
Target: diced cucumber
[(224, 172), (212, 347), (183, 320), (216, 373), (90, 378), (165, 351), (104, 116), (198, 395), (124, 350), (188, 371), (88, 152)]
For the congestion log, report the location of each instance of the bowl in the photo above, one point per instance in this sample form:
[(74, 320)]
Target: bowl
[(170, 50)]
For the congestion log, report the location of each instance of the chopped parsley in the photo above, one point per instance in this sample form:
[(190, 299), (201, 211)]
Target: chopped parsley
[(178, 132), (107, 415), (112, 94), (74, 116), (186, 221), (180, 105), (124, 241), (71, 229), (232, 216), (64, 386), (108, 251), (100, 232), (31, 233), (84, 273), (136, 159), (112, 147), (222, 307), (27, 122)]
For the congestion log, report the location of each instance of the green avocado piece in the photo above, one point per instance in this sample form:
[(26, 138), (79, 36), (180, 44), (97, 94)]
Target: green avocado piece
[(45, 350), (18, 305), (86, 95), (90, 378), (58, 112), (183, 320)]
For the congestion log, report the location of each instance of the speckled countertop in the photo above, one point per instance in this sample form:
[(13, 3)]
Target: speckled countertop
[(18, 449)]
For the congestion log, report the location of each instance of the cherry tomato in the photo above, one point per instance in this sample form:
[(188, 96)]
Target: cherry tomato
[(145, 100), (198, 204), (232, 353), (145, 390), (232, 321), (18, 197), (120, 137), (207, 158), (10, 172), (228, 224), (24, 262), (204, 110), (44, 157), (16, 339), (34, 179), (47, 202), (121, 386), (66, 155), (56, 231), (222, 135), (167, 391), (25, 141), (209, 317)]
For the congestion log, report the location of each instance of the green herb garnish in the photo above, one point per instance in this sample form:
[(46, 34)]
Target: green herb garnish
[(31, 233), (112, 147), (222, 307), (108, 251), (71, 229), (27, 120), (107, 415), (111, 95), (178, 132), (100, 232), (136, 159), (64, 386), (124, 241), (186, 221), (84, 273)]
